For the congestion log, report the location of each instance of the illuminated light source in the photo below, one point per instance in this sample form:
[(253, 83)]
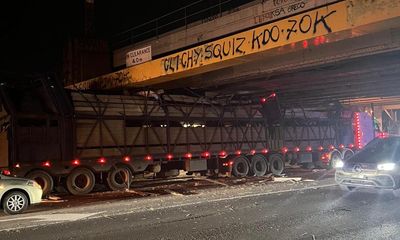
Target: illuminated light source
[(383, 135), (206, 154), (339, 164), (76, 162), (238, 152), (272, 95), (222, 153), (308, 148), (17, 165), (252, 152), (148, 158), (6, 172), (230, 163), (341, 146), (351, 145), (169, 156), (188, 155), (386, 166), (331, 147), (358, 132), (296, 149), (265, 150), (46, 164), (285, 149), (317, 41), (126, 159), (320, 148), (102, 160), (305, 44), (263, 100)]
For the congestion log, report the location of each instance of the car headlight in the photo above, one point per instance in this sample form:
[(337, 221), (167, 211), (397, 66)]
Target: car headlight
[(386, 166), (339, 164)]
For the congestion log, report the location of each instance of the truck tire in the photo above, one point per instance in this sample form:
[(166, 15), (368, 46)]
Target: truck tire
[(119, 178), (258, 166), (240, 166), (43, 179), (80, 181), (276, 164), (15, 202)]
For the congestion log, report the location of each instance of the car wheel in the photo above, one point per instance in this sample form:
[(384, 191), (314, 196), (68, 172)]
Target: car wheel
[(119, 178), (276, 164), (15, 202), (43, 179), (258, 166), (240, 167)]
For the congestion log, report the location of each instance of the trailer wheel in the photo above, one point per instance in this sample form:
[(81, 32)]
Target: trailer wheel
[(277, 165), (258, 166), (43, 179), (240, 166), (119, 178), (81, 181)]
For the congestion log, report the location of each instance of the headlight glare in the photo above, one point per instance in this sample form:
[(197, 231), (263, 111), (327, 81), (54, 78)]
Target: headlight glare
[(386, 166), (339, 164)]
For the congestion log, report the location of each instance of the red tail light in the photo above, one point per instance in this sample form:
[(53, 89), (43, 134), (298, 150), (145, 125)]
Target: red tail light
[(102, 160), (263, 100), (320, 148), (170, 156), (331, 147), (285, 150), (296, 149), (76, 162), (272, 95), (230, 163), (126, 159), (265, 151), (252, 152), (238, 152), (351, 145), (188, 155), (341, 146), (309, 149), (46, 164), (148, 158), (222, 153), (205, 155), (6, 172), (225, 164)]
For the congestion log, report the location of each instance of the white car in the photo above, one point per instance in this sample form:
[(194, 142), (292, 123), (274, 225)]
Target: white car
[(16, 194)]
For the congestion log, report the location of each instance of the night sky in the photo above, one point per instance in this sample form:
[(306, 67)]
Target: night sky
[(33, 33)]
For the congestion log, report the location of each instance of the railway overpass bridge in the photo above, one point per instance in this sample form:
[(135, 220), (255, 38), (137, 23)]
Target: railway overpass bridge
[(321, 53)]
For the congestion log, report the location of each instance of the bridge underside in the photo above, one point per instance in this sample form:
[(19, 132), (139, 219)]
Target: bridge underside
[(365, 67)]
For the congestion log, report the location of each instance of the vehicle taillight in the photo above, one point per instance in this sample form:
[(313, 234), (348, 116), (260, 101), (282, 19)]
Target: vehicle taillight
[(253, 151), (230, 163), (102, 160), (6, 172), (285, 150), (296, 149), (309, 149), (205, 154), (170, 156), (17, 165), (265, 151), (148, 158), (76, 162), (46, 164), (320, 148), (238, 152), (188, 155), (222, 153), (331, 147), (351, 145), (341, 146), (126, 159)]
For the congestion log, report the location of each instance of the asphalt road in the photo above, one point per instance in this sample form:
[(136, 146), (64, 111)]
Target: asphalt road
[(310, 210)]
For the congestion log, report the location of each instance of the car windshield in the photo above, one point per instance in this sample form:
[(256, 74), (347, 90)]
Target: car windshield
[(380, 150)]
